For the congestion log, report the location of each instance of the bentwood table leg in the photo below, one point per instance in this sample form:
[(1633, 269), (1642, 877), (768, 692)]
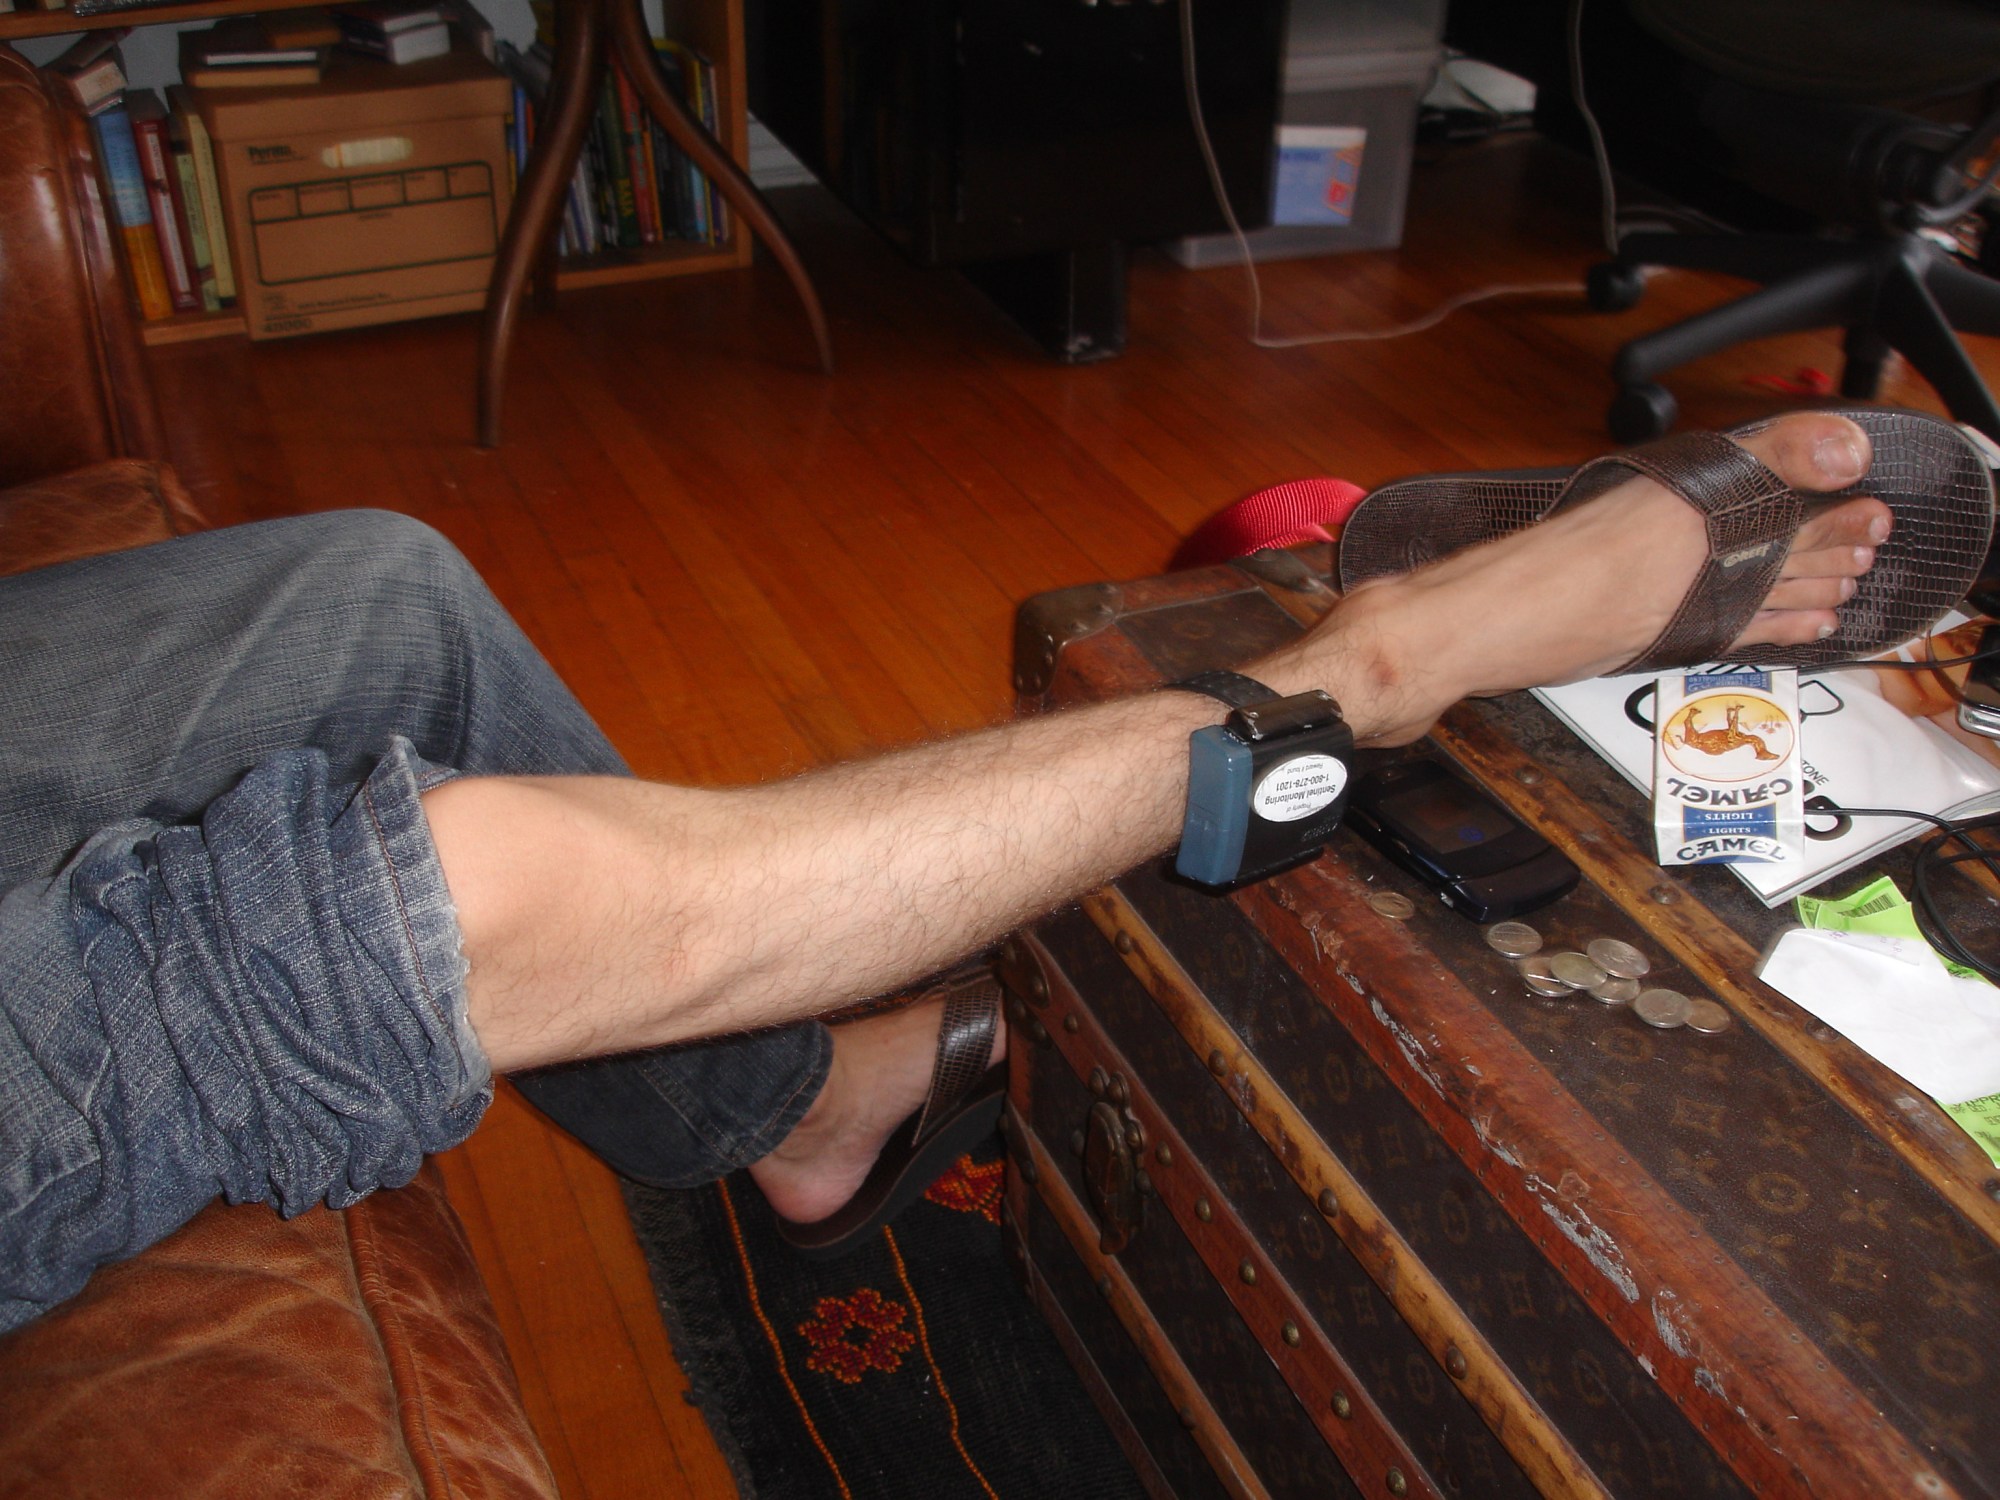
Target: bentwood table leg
[(634, 49), (538, 202)]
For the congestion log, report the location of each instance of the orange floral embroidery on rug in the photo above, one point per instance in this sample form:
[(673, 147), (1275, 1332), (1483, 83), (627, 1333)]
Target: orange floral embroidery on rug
[(852, 1335), (971, 1187)]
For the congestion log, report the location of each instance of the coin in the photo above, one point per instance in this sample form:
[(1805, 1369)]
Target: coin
[(1616, 991), (1576, 971), (1665, 1009), (1707, 1017), (1515, 939), (1620, 960), (1394, 905), (1536, 976)]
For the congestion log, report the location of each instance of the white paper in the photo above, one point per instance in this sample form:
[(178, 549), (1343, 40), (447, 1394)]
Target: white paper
[(1894, 998)]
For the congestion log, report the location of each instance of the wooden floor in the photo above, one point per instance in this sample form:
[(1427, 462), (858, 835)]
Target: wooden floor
[(746, 568)]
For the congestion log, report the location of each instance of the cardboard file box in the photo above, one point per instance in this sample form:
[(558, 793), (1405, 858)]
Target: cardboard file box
[(377, 194)]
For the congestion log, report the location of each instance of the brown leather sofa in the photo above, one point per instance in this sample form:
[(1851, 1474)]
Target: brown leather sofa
[(331, 1355)]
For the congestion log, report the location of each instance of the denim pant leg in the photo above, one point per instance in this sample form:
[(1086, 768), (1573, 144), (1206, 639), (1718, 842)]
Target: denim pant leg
[(146, 683)]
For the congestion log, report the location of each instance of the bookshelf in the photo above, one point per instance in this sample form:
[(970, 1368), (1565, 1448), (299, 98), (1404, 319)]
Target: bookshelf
[(714, 27)]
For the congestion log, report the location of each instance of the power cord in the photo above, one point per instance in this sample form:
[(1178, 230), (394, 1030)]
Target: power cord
[(1257, 335)]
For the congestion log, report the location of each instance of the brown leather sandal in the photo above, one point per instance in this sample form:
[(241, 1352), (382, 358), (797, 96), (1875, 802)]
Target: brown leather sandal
[(1934, 480), (960, 1110)]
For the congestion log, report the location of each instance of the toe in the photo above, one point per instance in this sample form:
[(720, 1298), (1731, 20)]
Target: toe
[(1812, 450), (1810, 593)]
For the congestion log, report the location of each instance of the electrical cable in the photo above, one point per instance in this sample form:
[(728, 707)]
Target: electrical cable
[(1607, 190), (1344, 336), (1931, 921)]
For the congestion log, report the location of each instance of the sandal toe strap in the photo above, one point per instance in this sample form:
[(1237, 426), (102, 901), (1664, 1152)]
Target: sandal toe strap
[(1751, 515)]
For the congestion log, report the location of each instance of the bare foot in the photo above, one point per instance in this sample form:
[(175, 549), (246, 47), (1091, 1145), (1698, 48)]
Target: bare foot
[(1599, 584), (880, 1074)]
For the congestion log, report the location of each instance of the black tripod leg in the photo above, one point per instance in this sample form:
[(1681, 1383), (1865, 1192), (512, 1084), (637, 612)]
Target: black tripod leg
[(1913, 322), (1864, 353)]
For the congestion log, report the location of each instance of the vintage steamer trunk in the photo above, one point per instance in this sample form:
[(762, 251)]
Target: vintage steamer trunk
[(1321, 1204)]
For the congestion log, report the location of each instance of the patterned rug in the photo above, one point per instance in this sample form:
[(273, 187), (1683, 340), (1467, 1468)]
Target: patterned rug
[(914, 1369)]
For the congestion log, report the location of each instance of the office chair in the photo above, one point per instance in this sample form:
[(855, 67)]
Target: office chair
[(1792, 99)]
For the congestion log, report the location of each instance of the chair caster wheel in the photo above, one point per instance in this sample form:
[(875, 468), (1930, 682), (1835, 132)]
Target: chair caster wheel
[(1642, 413), (1612, 286)]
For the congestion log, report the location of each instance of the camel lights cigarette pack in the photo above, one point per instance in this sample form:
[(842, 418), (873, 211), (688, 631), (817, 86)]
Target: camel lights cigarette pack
[(1726, 774)]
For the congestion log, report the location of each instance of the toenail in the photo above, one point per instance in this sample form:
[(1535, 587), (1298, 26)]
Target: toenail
[(1878, 529), (1839, 456), (1827, 630), (1846, 589)]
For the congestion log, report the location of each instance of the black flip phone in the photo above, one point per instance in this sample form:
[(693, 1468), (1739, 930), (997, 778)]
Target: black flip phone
[(1449, 833)]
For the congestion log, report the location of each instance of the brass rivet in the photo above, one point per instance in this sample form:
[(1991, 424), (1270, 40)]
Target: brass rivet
[(1121, 1091), (1098, 1082), (1072, 1025), (1143, 1181), (1664, 895), (1202, 1211), (1342, 1407), (1328, 1204), (1165, 1153), (1454, 1362), (1123, 942), (1038, 1031), (1993, 1189), (1030, 1173), (1016, 1011), (1217, 1063), (1038, 985), (1528, 776), (1187, 1416), (1290, 1333), (1398, 1485), (1076, 1141), (1010, 952), (1248, 1271), (1104, 1285), (1135, 1135)]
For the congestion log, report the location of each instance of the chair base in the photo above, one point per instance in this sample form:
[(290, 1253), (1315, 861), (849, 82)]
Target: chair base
[(1891, 292)]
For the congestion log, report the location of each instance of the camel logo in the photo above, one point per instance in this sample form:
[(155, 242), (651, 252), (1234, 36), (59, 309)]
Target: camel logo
[(1728, 736)]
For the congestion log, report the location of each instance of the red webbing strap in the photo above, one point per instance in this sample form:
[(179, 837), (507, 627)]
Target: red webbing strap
[(1282, 516)]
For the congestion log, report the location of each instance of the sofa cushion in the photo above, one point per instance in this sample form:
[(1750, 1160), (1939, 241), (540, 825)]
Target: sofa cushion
[(332, 1355), (104, 507)]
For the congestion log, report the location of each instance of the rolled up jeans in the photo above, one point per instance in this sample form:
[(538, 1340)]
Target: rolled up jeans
[(229, 962)]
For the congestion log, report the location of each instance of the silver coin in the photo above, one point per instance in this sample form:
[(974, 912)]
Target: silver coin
[(1394, 905), (1536, 976), (1665, 1009), (1515, 939), (1616, 991), (1620, 960), (1576, 971), (1707, 1017)]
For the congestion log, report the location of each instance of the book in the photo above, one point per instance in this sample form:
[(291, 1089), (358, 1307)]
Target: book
[(407, 46), (118, 153), (149, 133), (622, 204), (93, 67), (234, 54), (471, 32), (188, 209), (291, 30), (201, 149), (385, 19), (1869, 738)]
